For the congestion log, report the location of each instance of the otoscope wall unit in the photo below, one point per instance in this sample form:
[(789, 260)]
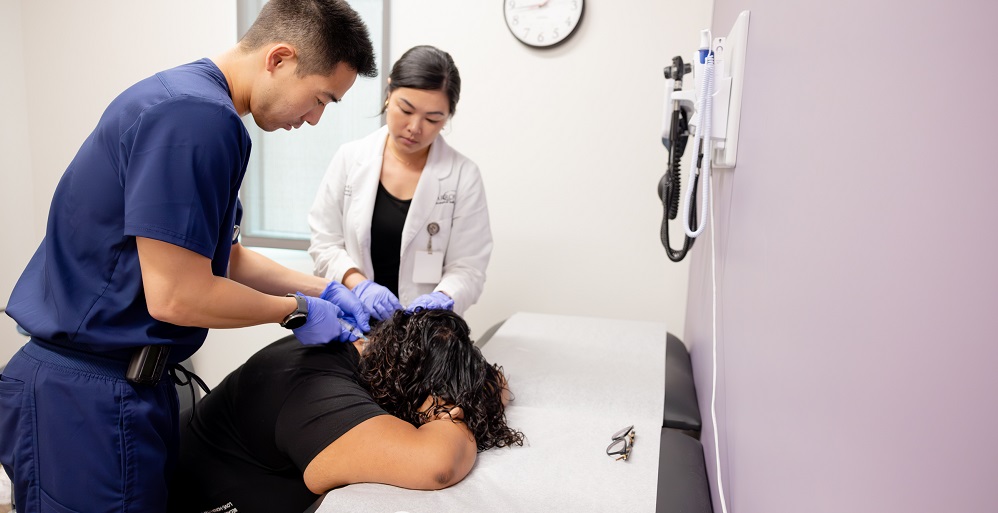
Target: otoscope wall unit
[(721, 63)]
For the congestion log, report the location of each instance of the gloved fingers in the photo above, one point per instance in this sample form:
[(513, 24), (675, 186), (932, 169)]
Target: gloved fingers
[(335, 310), (322, 325), (382, 312), (351, 305), (328, 310), (360, 288), (346, 300), (367, 297), (388, 300), (360, 319), (431, 301), (375, 316), (351, 320), (351, 326), (445, 302), (331, 290), (363, 320), (380, 301), (346, 335), (389, 305), (442, 300), (393, 302), (415, 306), (372, 310)]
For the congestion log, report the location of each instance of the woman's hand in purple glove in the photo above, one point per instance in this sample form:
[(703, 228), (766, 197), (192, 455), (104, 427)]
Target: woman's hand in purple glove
[(380, 301), (432, 301)]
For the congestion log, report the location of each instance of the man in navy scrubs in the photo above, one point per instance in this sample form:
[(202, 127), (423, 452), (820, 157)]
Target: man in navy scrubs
[(141, 257)]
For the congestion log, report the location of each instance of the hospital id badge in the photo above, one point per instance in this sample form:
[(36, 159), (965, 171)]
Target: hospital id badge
[(429, 267)]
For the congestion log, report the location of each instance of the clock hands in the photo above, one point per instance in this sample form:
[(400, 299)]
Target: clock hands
[(531, 6)]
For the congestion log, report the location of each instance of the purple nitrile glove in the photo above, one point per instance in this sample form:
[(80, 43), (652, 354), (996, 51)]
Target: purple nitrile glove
[(432, 301), (380, 301), (323, 323), (354, 310)]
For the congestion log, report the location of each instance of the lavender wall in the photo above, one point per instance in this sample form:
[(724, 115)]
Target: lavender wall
[(856, 262)]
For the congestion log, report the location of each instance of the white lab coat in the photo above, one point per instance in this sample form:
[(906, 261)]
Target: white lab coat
[(449, 192)]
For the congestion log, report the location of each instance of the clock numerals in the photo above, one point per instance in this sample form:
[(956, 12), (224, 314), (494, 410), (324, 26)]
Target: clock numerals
[(515, 20), (511, 4)]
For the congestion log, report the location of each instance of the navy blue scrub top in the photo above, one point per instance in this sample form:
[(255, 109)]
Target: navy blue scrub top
[(165, 162)]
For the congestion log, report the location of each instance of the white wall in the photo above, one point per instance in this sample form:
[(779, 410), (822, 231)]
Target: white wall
[(66, 61), (80, 55), (567, 139), (568, 143), (17, 213)]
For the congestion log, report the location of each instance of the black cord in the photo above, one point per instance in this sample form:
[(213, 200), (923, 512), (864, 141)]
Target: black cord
[(188, 377), (669, 188)]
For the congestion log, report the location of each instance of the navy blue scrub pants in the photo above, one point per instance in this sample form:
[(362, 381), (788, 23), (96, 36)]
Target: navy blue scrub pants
[(75, 436)]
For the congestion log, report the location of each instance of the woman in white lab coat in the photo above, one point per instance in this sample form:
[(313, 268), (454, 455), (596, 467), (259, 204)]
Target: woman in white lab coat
[(401, 217)]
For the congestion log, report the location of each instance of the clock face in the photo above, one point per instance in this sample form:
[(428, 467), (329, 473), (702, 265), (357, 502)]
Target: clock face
[(542, 23)]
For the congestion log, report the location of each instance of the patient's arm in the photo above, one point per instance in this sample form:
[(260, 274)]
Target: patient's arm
[(388, 450)]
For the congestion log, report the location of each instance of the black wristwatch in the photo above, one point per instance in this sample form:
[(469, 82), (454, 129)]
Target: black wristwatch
[(297, 318)]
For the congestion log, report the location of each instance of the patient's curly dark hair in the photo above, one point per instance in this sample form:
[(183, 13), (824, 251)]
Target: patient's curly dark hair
[(430, 353)]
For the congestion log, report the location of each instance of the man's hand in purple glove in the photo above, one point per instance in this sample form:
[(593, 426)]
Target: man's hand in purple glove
[(354, 310), (323, 324)]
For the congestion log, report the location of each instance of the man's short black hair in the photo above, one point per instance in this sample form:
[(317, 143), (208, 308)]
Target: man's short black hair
[(325, 32)]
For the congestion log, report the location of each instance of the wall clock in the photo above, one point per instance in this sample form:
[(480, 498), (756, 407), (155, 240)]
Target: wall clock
[(543, 23)]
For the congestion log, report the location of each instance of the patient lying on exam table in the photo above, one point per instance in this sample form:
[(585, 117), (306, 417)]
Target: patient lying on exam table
[(411, 409)]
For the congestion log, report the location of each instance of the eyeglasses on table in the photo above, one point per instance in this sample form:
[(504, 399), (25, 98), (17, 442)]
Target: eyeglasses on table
[(622, 442)]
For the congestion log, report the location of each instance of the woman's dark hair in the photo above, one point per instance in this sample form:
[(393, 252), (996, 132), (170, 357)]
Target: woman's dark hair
[(325, 32), (429, 353), (427, 68)]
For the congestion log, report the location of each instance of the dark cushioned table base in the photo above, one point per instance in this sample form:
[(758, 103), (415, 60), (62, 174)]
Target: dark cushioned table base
[(681, 411), (682, 475)]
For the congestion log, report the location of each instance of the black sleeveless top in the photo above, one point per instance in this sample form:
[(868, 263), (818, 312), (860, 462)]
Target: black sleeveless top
[(386, 237)]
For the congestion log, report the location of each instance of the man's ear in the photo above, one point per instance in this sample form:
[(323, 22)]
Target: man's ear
[(281, 55)]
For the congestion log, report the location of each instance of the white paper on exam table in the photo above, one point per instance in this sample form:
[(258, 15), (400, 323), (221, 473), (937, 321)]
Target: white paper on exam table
[(575, 381)]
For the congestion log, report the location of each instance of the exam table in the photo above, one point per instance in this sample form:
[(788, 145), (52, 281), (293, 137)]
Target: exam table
[(575, 382)]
